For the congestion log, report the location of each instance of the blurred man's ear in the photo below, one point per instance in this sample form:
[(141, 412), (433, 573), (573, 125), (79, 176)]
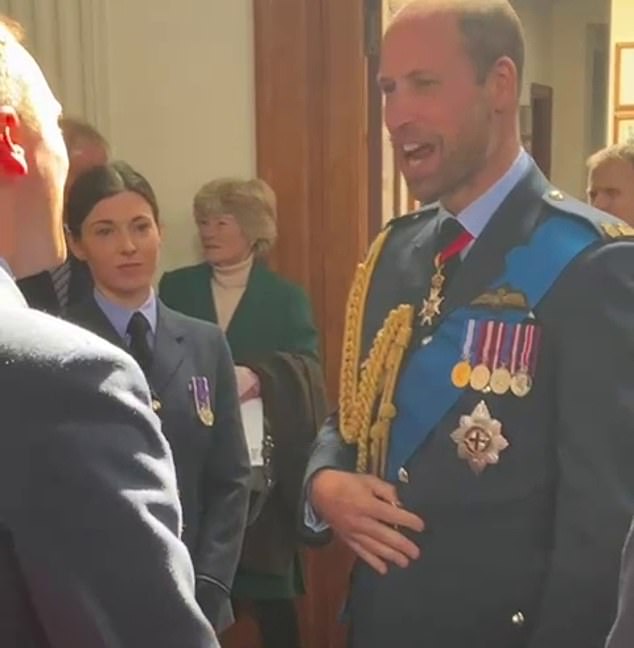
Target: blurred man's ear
[(12, 158)]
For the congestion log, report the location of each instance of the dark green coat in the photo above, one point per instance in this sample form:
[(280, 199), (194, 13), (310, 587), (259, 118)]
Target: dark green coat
[(273, 314)]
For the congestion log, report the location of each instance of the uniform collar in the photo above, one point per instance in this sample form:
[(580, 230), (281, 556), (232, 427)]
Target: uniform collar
[(119, 316), (476, 216)]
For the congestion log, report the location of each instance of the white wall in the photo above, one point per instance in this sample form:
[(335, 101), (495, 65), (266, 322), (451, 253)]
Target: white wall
[(182, 100), (536, 17), (556, 55), (570, 79), (171, 84)]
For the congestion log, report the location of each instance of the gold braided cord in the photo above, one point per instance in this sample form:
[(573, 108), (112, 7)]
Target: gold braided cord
[(353, 330), (378, 379), (380, 431), (362, 385)]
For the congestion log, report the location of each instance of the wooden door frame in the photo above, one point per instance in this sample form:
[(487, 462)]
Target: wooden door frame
[(540, 92), (312, 124), (313, 117)]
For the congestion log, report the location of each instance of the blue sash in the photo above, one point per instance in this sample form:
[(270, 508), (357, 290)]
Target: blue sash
[(425, 392)]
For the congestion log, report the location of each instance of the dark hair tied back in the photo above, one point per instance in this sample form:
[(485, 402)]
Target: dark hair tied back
[(100, 183)]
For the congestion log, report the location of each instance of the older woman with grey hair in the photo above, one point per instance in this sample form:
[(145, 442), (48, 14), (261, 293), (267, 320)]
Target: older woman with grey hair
[(270, 330)]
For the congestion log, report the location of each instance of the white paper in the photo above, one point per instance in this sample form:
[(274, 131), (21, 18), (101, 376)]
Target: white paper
[(253, 422)]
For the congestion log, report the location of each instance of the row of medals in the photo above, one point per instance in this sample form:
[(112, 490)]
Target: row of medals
[(499, 381), (480, 378)]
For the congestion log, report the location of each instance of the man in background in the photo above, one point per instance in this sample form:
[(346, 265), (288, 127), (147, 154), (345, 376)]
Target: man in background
[(70, 282), (89, 513), (86, 146), (611, 181)]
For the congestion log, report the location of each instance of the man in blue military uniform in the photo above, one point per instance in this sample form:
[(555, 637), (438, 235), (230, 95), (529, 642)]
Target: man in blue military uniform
[(487, 381), (89, 514)]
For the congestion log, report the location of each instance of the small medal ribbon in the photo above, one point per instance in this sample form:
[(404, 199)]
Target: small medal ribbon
[(516, 344), (455, 247), (498, 345), (202, 391), (202, 399), (488, 338), (528, 346), (468, 343), (507, 340), (532, 359)]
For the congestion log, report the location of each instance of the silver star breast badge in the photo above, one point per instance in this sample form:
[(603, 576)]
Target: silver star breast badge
[(479, 439)]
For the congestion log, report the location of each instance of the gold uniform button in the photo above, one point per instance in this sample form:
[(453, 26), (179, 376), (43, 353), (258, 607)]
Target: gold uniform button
[(555, 194), (518, 619), (403, 476)]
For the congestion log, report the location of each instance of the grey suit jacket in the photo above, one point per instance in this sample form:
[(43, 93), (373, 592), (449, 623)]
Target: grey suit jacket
[(212, 463), (89, 512), (526, 554)]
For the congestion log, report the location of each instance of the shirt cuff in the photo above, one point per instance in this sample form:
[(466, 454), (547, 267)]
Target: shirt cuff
[(311, 519)]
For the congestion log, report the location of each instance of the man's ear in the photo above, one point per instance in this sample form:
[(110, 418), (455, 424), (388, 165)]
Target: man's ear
[(12, 157), (502, 83)]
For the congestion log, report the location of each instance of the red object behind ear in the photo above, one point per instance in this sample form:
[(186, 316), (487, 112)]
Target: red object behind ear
[(12, 157)]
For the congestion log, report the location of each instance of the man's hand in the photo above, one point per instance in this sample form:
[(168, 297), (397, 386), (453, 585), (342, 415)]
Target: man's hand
[(365, 513)]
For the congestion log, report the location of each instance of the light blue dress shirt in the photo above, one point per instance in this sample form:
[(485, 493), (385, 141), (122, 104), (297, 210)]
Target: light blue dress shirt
[(476, 216), (119, 316)]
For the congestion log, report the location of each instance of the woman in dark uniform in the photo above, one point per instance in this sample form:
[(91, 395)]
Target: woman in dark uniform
[(113, 222), (273, 339)]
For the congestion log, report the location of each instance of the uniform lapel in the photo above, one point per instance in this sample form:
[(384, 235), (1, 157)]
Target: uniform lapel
[(423, 252), (91, 317), (169, 348), (510, 226), (80, 281), (39, 292)]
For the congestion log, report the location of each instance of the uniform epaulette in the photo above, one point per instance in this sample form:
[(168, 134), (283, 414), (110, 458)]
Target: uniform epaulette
[(425, 212), (607, 226)]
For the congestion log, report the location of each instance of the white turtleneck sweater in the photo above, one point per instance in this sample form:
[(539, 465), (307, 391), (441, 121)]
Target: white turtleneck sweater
[(228, 284)]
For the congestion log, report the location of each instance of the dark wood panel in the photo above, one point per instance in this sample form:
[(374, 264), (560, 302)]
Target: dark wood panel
[(311, 133), (312, 147), (345, 215)]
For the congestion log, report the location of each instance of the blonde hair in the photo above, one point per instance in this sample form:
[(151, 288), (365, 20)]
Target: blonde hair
[(19, 86), (624, 152), (251, 202)]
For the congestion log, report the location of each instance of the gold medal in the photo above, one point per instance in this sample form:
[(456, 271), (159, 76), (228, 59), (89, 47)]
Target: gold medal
[(199, 386), (500, 381), (206, 416), (521, 384), (480, 377), (461, 374)]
